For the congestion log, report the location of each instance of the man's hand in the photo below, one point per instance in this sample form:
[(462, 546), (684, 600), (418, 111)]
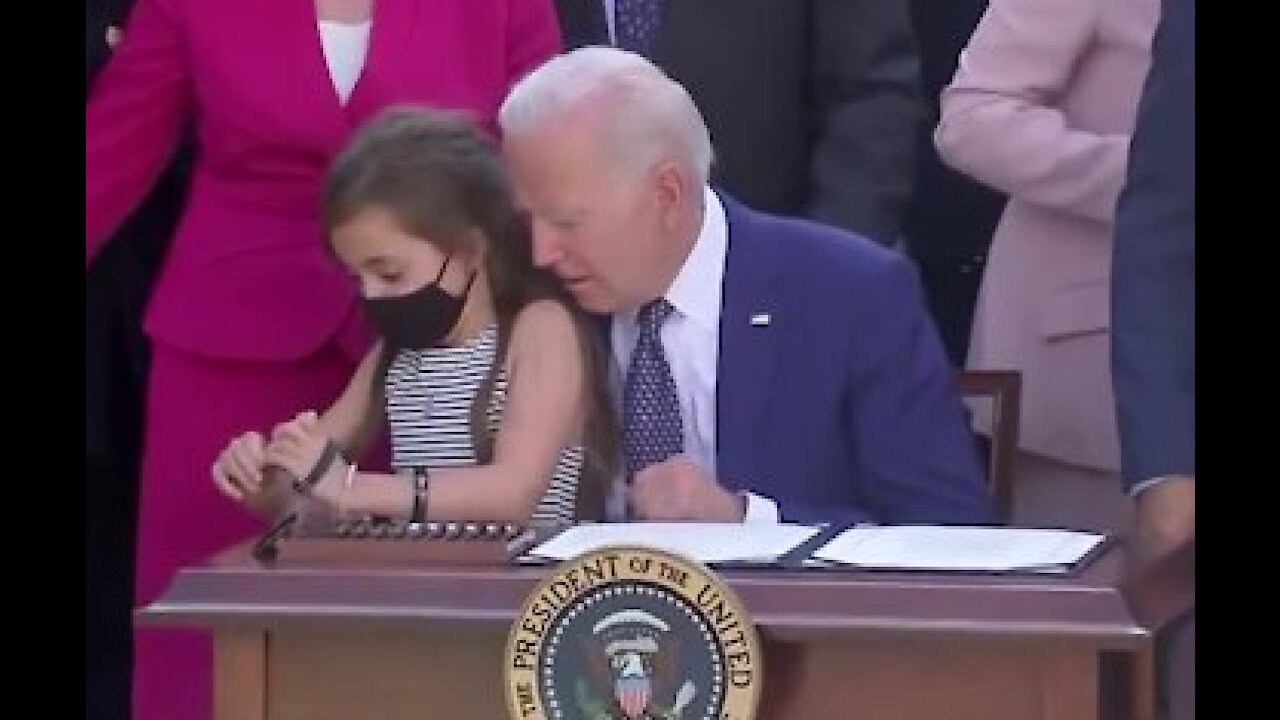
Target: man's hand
[(1166, 516), (677, 489)]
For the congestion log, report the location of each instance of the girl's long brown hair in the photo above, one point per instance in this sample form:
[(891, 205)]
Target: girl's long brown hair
[(443, 179)]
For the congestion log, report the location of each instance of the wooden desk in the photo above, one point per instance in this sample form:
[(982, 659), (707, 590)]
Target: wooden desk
[(332, 640)]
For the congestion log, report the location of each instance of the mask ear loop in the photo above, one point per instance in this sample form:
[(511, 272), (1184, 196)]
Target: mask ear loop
[(443, 267), (466, 290)]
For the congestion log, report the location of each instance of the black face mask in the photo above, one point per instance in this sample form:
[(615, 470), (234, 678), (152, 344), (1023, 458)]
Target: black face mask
[(420, 319)]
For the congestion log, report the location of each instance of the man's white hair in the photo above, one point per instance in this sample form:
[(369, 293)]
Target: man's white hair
[(646, 112)]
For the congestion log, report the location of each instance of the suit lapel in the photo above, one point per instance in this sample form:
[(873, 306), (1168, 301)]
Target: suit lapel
[(305, 72), (394, 24), (749, 317)]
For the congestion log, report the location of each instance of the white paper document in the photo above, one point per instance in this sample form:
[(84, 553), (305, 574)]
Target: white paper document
[(911, 547), (704, 542)]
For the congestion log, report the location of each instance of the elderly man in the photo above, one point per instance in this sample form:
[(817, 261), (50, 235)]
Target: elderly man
[(770, 368)]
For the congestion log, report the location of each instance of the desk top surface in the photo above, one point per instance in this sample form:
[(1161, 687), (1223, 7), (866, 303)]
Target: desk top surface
[(1100, 604)]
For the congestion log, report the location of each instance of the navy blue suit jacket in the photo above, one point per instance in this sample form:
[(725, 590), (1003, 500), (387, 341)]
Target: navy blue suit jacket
[(843, 407), (1153, 282)]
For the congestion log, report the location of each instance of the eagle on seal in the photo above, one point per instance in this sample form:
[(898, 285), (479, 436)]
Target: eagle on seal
[(631, 661)]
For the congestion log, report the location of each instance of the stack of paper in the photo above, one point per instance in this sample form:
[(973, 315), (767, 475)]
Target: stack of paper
[(703, 542), (993, 549)]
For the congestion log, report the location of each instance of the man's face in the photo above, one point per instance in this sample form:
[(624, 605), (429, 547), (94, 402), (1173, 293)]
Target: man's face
[(596, 225)]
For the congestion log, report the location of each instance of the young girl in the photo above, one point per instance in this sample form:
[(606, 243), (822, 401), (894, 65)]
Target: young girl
[(491, 382)]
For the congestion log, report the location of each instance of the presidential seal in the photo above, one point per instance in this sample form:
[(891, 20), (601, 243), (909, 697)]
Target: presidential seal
[(630, 633)]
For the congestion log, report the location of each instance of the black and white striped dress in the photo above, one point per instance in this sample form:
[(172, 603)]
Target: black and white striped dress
[(429, 394)]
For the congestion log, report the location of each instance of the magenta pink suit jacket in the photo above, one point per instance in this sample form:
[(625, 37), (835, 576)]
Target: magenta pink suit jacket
[(247, 276)]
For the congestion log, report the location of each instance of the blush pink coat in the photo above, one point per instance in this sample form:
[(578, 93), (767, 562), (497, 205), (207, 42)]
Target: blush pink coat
[(1041, 108)]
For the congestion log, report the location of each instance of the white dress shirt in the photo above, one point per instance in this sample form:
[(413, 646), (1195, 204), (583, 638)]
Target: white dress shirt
[(691, 341)]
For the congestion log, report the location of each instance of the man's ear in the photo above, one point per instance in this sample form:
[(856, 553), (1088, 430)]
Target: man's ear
[(673, 192)]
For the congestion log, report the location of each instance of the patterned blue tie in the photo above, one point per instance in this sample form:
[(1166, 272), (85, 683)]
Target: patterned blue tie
[(636, 23), (651, 427)]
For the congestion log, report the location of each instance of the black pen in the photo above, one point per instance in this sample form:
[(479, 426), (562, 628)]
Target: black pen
[(265, 550)]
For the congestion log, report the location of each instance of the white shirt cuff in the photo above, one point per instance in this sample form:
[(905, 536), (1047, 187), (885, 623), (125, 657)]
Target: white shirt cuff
[(760, 509)]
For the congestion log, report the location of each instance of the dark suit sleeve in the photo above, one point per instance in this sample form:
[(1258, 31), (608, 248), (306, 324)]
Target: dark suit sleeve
[(917, 459), (1153, 276), (866, 79), (582, 22)]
